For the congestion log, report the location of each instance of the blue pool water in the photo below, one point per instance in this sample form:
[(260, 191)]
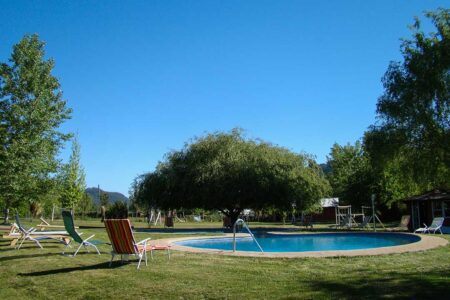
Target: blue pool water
[(306, 242)]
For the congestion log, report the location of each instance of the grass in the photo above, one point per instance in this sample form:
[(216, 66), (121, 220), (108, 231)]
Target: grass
[(46, 274)]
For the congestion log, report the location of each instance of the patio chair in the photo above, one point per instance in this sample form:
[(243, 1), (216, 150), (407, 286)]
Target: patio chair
[(70, 227), (403, 226), (307, 221), (124, 243), (365, 222), (44, 225), (35, 236), (13, 233), (435, 226)]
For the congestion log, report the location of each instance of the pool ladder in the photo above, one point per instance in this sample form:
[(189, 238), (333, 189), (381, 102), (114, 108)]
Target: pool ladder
[(242, 222)]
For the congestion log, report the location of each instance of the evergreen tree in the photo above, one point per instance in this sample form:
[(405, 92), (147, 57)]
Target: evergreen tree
[(85, 205), (104, 199)]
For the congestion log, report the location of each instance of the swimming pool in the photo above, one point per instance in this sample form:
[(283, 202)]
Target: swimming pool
[(305, 242)]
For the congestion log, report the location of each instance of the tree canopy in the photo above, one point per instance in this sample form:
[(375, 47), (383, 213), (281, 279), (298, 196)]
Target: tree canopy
[(409, 145), (31, 111), (72, 179), (228, 172), (350, 174)]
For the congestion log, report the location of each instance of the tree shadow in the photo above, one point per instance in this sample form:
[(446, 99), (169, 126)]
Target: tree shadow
[(6, 258), (25, 247), (104, 265), (430, 285)]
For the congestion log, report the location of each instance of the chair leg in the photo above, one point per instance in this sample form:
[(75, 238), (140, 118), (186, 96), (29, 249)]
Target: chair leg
[(168, 252), (95, 248), (65, 248), (112, 257), (20, 245), (75, 254), (37, 243), (140, 259), (145, 253)]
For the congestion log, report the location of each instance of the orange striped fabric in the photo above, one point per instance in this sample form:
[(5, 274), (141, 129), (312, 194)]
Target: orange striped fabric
[(121, 236)]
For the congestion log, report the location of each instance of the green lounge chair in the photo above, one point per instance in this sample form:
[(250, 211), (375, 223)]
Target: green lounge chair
[(70, 227)]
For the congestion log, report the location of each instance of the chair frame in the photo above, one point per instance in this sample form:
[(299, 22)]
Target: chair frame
[(76, 236), (140, 248), (35, 236), (428, 229), (135, 245)]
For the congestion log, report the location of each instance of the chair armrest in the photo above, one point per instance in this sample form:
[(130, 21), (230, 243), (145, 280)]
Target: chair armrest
[(143, 241), (89, 238), (43, 222)]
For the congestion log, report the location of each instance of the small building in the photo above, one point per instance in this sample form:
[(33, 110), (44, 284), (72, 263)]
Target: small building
[(328, 210), (425, 207)]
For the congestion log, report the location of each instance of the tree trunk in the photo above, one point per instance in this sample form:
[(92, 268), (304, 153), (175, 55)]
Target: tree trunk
[(6, 216), (232, 215)]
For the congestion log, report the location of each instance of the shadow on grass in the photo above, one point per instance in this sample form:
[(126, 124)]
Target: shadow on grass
[(22, 256), (430, 285), (104, 265), (25, 247), (6, 258)]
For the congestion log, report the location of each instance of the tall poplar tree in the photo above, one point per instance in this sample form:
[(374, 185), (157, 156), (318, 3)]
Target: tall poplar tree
[(31, 112), (73, 179)]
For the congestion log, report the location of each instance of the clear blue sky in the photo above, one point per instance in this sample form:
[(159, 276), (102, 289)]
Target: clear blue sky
[(143, 77)]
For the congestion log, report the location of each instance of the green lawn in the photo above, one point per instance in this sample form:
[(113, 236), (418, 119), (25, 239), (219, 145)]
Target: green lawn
[(45, 273)]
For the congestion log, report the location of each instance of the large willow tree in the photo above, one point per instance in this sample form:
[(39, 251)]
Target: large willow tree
[(227, 172), (31, 111), (409, 146)]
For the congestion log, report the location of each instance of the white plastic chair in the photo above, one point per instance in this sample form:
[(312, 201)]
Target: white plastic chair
[(436, 225)]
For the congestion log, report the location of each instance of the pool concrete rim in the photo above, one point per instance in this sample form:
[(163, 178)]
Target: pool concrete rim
[(426, 242)]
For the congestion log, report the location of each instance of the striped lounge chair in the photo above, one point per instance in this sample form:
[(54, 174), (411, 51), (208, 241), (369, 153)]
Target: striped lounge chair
[(123, 242)]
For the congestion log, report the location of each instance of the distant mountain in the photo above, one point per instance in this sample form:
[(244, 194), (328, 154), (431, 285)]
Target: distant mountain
[(326, 168), (113, 196)]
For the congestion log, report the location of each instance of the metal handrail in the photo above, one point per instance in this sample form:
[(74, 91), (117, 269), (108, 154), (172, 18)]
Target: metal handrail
[(248, 229)]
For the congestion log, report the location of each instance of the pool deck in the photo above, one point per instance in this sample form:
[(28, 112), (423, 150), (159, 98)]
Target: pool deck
[(426, 242)]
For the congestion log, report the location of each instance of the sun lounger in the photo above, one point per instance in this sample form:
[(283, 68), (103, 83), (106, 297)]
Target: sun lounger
[(436, 225), (124, 244), (35, 236), (44, 224), (70, 227), (403, 226), (12, 233)]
